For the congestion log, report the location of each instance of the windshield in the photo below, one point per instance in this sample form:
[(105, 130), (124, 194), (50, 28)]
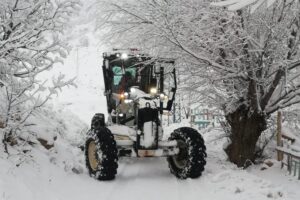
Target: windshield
[(143, 74), (118, 74), (123, 79), (130, 72)]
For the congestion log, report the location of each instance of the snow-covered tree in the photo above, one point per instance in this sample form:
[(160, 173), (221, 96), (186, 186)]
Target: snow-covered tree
[(245, 63), (234, 5), (31, 42)]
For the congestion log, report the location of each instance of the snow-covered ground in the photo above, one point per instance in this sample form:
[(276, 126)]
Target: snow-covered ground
[(59, 174)]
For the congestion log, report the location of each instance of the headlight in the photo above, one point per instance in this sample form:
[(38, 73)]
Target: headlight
[(153, 90), (124, 56), (163, 97)]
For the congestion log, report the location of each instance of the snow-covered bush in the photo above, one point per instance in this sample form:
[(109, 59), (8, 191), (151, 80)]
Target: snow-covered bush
[(54, 134)]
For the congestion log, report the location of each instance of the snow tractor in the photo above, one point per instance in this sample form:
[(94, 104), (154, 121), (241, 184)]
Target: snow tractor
[(140, 91)]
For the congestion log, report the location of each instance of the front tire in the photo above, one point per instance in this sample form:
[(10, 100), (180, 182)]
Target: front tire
[(101, 154), (98, 121), (191, 159)]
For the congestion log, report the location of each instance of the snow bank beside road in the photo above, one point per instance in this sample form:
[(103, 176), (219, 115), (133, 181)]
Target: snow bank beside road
[(27, 171)]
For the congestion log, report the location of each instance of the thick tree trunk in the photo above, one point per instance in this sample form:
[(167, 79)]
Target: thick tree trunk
[(245, 131)]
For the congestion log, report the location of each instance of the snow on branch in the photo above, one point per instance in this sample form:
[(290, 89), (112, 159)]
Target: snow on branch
[(31, 42), (234, 5)]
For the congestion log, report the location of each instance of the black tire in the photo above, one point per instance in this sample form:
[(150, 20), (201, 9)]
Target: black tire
[(101, 154), (190, 161), (98, 121)]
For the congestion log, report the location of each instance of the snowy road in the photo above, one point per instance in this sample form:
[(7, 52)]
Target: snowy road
[(143, 179)]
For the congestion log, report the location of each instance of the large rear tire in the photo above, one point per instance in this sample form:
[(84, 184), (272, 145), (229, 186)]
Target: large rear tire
[(191, 159), (101, 154)]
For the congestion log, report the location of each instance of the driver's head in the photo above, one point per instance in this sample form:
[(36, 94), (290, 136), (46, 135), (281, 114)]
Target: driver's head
[(126, 82)]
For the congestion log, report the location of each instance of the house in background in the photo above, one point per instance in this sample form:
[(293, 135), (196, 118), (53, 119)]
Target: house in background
[(204, 116)]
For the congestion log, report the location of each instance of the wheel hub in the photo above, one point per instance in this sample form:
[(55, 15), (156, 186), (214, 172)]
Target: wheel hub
[(93, 157), (180, 160)]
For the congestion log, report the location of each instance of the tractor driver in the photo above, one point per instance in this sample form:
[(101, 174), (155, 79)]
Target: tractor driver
[(126, 82)]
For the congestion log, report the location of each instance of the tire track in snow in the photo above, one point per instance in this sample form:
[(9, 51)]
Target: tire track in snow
[(118, 184), (126, 179), (147, 178)]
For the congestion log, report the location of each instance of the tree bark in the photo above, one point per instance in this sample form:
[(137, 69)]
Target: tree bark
[(246, 127)]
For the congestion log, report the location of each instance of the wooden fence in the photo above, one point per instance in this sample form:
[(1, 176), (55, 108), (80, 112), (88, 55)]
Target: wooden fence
[(287, 155)]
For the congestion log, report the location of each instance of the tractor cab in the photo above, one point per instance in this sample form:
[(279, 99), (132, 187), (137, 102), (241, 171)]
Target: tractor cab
[(150, 77)]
